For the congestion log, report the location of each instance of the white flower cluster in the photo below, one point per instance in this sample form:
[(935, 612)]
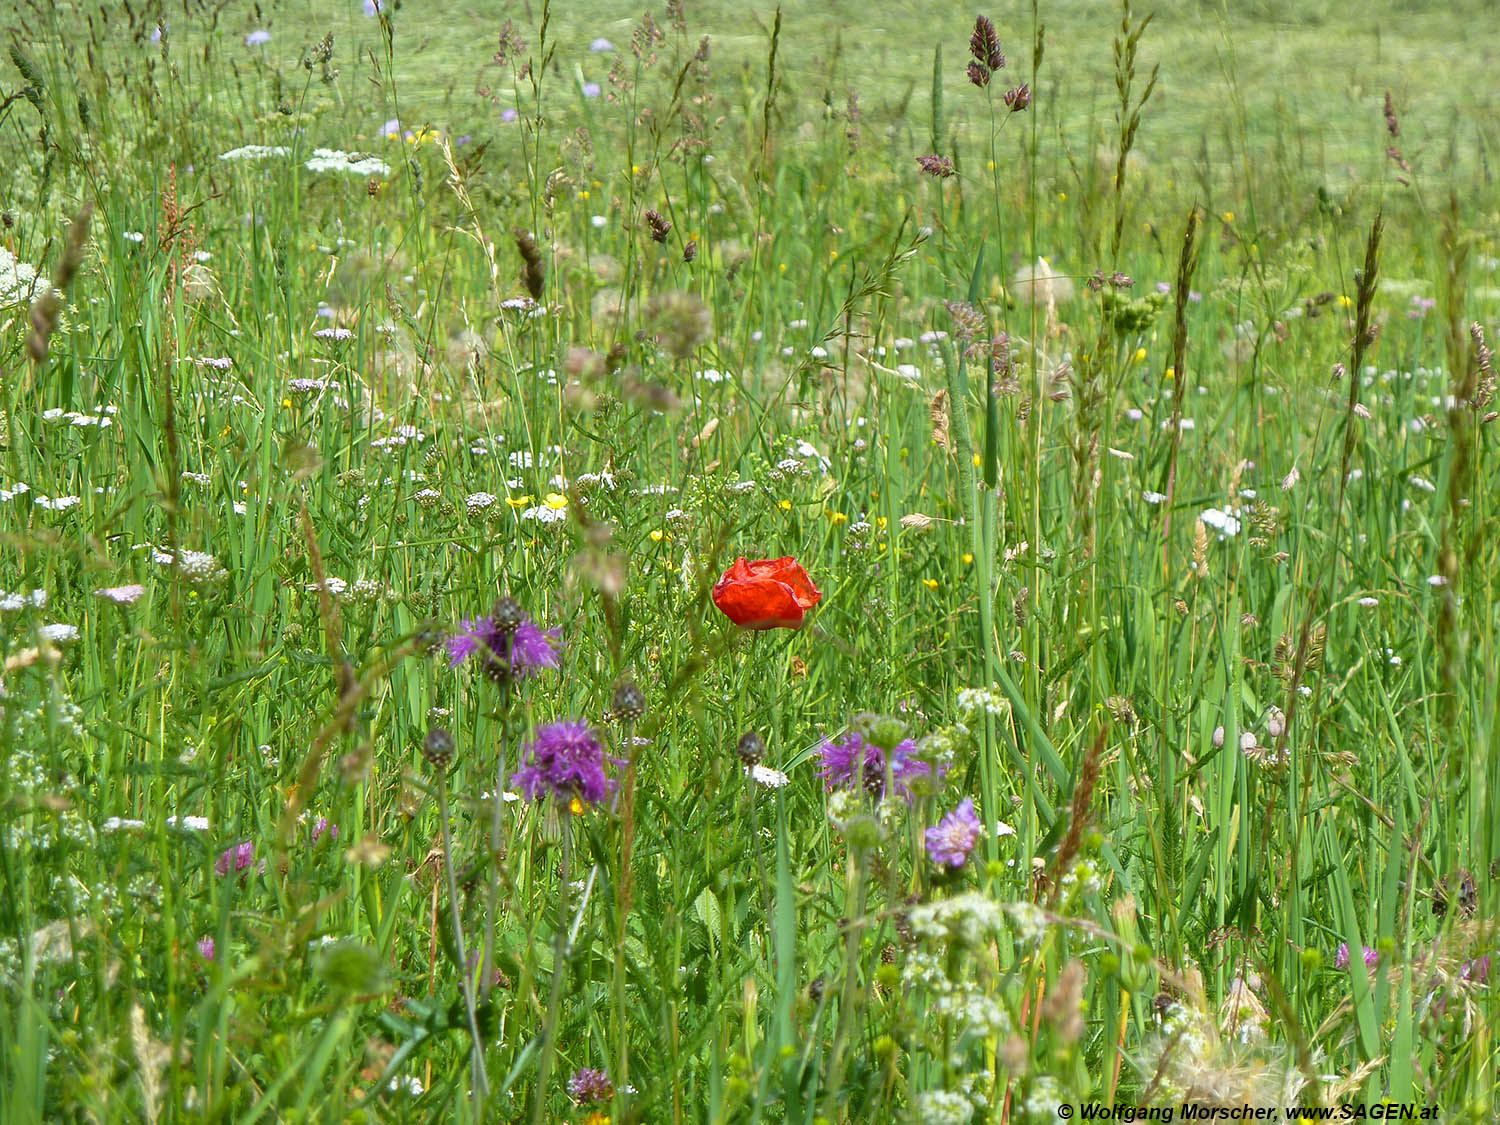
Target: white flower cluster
[(352, 163), (199, 566), (968, 920), (13, 603), (975, 703)]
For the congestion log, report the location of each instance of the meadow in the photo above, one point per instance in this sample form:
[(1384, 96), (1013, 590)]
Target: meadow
[(822, 564)]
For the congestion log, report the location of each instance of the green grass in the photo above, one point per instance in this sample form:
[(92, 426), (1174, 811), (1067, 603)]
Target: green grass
[(1218, 648)]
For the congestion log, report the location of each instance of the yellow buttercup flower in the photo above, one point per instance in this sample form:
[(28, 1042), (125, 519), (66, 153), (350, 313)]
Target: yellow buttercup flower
[(838, 517), (931, 584), (556, 501), (785, 505), (518, 501)]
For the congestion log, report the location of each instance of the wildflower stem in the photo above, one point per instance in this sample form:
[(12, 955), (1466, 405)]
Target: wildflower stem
[(849, 992), (626, 890), (481, 1079), (497, 821), (559, 969)]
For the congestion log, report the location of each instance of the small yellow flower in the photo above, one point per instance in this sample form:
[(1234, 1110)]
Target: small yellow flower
[(931, 584), (978, 460), (968, 558), (518, 501), (783, 267), (596, 1118), (1140, 354), (575, 806), (1229, 216), (991, 166), (838, 517), (656, 535), (286, 404), (556, 501), (1171, 373), (635, 169), (785, 505), (1062, 197), (598, 183), (880, 522), (832, 254), (1345, 302), (584, 194)]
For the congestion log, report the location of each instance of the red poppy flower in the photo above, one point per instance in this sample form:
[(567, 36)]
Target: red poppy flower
[(766, 593)]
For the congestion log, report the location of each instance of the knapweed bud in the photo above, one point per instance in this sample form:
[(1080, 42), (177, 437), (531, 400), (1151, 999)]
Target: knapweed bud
[(751, 749), (629, 702), (437, 748), (508, 615)]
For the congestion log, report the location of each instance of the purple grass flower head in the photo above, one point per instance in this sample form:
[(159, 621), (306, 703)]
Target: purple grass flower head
[(567, 760), (235, 859), (206, 948), (1372, 957), (504, 653), (588, 1086), (258, 38), (324, 826), (1341, 958), (934, 165), (853, 763), (951, 840)]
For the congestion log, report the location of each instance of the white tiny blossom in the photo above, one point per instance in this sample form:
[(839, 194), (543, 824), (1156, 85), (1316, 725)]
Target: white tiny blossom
[(770, 778), (1369, 602), (116, 824), (1289, 481), (478, 502), (190, 823), (122, 595), (58, 633), (1437, 580), (544, 514), (333, 333), (1222, 522), (1154, 497)]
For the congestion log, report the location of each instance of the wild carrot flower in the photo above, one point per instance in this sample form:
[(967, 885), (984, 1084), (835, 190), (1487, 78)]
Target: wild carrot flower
[(567, 760), (854, 763), (951, 840)]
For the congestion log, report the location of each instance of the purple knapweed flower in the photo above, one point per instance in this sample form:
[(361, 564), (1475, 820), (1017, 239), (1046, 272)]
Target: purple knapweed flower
[(324, 826), (508, 115), (853, 762), (591, 89), (567, 760), (950, 841), (206, 948), (588, 1086), (391, 128), (518, 655), (258, 37), (235, 858)]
